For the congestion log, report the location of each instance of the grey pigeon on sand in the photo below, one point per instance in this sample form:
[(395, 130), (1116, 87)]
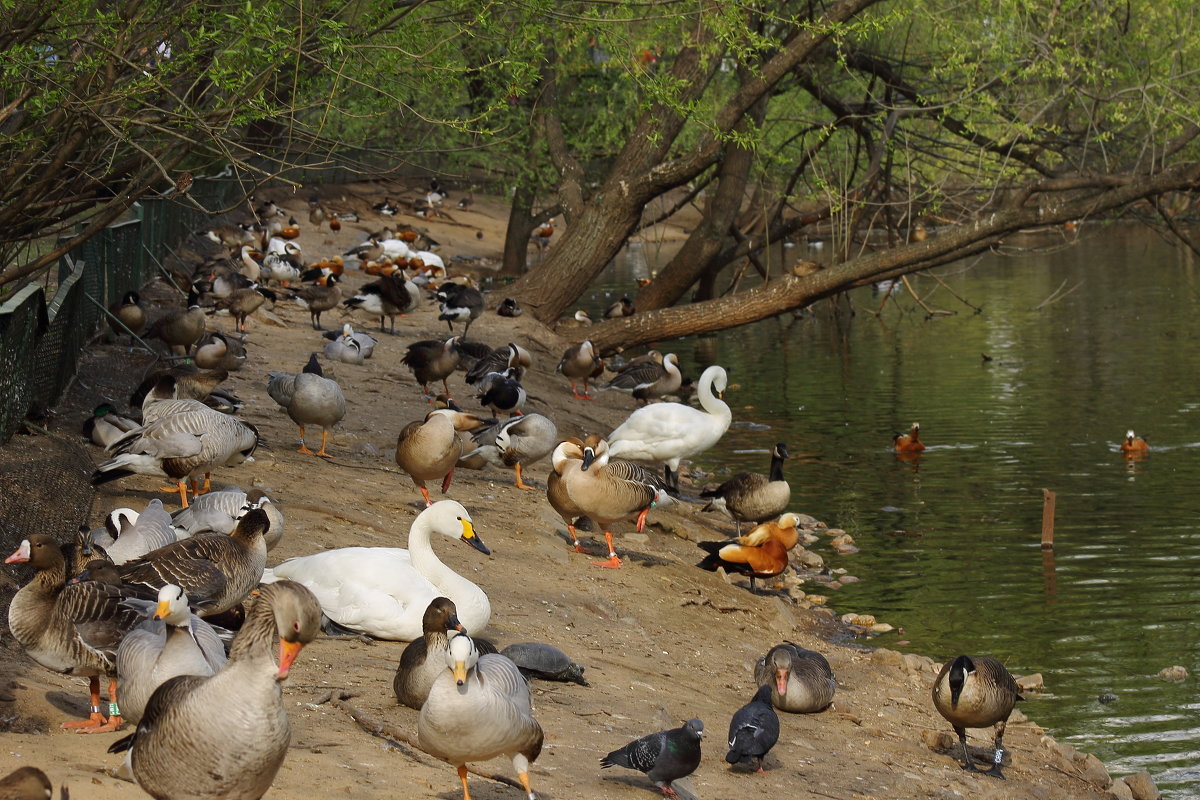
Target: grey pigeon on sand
[(665, 756), (753, 730)]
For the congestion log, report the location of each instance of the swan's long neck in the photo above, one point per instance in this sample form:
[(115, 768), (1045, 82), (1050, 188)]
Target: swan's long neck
[(709, 401), (423, 557)]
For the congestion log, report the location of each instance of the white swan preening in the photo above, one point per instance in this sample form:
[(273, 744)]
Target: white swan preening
[(670, 432), (384, 591)]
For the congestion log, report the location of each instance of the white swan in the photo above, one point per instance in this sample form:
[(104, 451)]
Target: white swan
[(384, 591), (669, 432)]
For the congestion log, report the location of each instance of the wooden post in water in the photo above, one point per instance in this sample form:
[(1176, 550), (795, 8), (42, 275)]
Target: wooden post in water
[(1048, 498)]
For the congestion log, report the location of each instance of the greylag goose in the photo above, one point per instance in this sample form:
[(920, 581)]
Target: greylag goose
[(172, 641), (607, 491), (479, 708), (384, 591), (225, 735), (515, 443), (72, 628), (219, 512), (185, 444), (581, 362), (976, 692), (431, 360), (801, 680), (309, 399), (319, 298), (180, 328), (665, 756), (216, 571), (649, 379), (106, 426), (754, 730), (761, 553), (670, 432), (430, 448), (752, 496)]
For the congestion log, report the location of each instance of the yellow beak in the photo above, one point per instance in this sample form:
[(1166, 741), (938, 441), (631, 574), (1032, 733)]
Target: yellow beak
[(460, 672), (162, 611)]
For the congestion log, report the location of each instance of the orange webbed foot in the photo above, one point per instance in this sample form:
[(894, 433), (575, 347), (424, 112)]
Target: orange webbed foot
[(612, 563)]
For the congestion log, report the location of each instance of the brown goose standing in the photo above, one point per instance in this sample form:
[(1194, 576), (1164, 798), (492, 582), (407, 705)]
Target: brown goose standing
[(752, 496), (225, 736), (319, 298), (430, 448), (216, 571), (241, 303), (432, 360), (801, 680), (180, 328), (71, 628), (976, 692), (581, 362)]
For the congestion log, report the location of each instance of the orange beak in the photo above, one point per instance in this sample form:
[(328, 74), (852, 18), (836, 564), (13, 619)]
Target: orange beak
[(287, 655), (781, 679)]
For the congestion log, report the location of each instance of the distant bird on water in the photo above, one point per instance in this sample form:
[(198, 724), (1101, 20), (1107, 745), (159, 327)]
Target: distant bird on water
[(665, 756), (909, 442), (1134, 445)]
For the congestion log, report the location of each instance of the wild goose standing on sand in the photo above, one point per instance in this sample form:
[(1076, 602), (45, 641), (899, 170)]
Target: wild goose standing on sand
[(432, 360), (319, 298), (801, 680), (226, 735), (180, 328), (241, 303), (976, 692), (516, 443), (752, 496), (670, 432), (388, 297), (309, 399), (480, 708), (761, 553), (650, 379), (459, 304), (581, 362), (184, 444), (170, 641), (72, 628), (566, 451), (429, 449)]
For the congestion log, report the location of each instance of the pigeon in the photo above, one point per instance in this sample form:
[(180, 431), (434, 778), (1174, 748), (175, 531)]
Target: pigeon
[(753, 730), (665, 756)]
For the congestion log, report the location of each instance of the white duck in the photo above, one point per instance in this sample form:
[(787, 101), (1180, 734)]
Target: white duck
[(384, 591), (669, 432)]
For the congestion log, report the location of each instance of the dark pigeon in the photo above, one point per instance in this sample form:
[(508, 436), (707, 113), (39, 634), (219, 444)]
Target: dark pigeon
[(665, 756), (753, 730)]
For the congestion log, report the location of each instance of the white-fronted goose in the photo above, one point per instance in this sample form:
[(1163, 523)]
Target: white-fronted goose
[(761, 553), (225, 735), (581, 362), (430, 448), (518, 442), (477, 709), (976, 692), (670, 432), (752, 496), (309, 399), (384, 591), (171, 641), (72, 628), (801, 680)]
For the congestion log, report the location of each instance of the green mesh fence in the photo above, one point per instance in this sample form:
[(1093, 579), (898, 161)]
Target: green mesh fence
[(41, 339)]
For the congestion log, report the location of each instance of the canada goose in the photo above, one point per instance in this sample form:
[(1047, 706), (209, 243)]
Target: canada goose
[(510, 355), (502, 392), (424, 659), (516, 443), (106, 426), (665, 756), (218, 351), (384, 591), (608, 491), (171, 641), (622, 308), (390, 296), (71, 628), (761, 553), (581, 362), (180, 328), (909, 442), (1133, 445), (670, 432), (178, 745), (432, 360), (801, 680), (220, 511), (320, 297), (366, 342), (216, 571), (181, 445), (480, 708), (579, 319), (649, 379), (309, 399), (752, 496), (975, 693), (429, 449), (129, 312), (459, 304), (754, 730), (509, 308)]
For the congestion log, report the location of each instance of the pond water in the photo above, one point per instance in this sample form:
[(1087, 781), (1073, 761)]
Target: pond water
[(950, 541)]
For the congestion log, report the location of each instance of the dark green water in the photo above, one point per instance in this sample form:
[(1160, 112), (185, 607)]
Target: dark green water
[(950, 542)]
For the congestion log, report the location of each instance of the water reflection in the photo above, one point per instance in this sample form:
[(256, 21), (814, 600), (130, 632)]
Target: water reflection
[(950, 539)]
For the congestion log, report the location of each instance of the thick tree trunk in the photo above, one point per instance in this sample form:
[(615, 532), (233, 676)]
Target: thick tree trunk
[(520, 228)]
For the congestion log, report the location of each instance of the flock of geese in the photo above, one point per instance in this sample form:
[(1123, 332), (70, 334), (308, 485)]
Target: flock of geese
[(182, 616)]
